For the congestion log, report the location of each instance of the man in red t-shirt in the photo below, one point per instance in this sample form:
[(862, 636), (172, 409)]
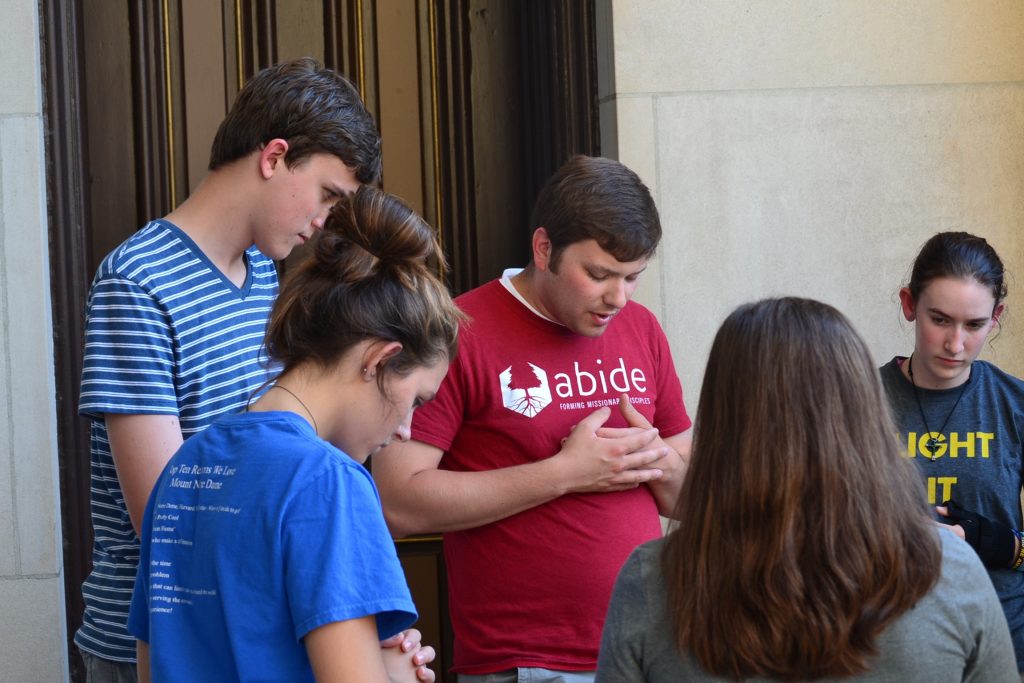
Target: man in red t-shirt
[(555, 440)]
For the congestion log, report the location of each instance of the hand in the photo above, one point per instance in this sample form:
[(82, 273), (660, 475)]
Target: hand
[(614, 462), (673, 465), (955, 528), (403, 649), (995, 543), (635, 419)]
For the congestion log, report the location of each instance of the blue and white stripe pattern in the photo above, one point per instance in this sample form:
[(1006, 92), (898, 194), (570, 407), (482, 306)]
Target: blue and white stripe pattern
[(166, 333)]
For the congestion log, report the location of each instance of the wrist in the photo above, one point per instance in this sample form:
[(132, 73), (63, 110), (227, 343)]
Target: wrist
[(1018, 562), (557, 473)]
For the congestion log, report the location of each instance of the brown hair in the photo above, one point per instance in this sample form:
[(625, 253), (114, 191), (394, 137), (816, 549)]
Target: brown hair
[(599, 199), (803, 531), (374, 273), (317, 110), (961, 256)]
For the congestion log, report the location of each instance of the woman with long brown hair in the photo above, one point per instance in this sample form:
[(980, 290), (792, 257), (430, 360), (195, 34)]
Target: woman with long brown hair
[(804, 549)]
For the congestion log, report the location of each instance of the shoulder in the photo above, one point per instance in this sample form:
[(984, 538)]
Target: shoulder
[(989, 373), (636, 321), (490, 310), (638, 311), (892, 376), (298, 455), (149, 245), (153, 264), (892, 368), (480, 299), (964, 591), (643, 567), (964, 583), (959, 561)]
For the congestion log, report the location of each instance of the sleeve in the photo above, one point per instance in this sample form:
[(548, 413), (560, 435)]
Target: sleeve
[(438, 421), (994, 658), (670, 415), (991, 654), (620, 654), (339, 559), (128, 363)]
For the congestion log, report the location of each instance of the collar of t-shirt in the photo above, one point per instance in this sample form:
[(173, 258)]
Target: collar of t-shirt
[(506, 282)]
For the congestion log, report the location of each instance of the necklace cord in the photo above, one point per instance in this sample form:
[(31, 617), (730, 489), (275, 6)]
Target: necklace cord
[(301, 403), (920, 409)]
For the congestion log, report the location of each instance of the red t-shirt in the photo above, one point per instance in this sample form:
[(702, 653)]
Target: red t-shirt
[(532, 589)]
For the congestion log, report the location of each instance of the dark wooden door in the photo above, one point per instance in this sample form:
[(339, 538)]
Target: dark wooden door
[(478, 101)]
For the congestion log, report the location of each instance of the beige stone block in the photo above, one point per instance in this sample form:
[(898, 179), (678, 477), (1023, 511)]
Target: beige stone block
[(636, 134), (32, 633), (608, 121), (31, 429), (829, 193), (9, 558), (632, 124), (19, 58), (604, 36), (665, 46)]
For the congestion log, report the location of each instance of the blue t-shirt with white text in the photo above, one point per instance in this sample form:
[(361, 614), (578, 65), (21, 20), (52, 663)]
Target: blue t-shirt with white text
[(257, 533)]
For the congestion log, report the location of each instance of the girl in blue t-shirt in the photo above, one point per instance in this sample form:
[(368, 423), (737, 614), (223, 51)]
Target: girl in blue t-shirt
[(265, 554), (962, 419)]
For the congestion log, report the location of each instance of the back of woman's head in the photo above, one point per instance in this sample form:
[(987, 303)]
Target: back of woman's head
[(374, 273), (804, 532)]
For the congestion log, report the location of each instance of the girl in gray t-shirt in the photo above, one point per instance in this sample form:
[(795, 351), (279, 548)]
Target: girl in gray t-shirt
[(804, 549)]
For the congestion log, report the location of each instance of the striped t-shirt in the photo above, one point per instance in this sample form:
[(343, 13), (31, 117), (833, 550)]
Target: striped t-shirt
[(166, 333)]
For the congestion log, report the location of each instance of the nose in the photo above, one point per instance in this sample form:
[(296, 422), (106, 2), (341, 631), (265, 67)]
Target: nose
[(617, 294), (321, 218), (403, 432), (955, 340)]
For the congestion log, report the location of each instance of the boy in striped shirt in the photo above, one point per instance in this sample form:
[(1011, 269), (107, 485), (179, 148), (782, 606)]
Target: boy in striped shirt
[(176, 314)]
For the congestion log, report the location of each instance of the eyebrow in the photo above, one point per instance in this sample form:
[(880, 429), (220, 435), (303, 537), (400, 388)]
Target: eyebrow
[(604, 270), (939, 312)]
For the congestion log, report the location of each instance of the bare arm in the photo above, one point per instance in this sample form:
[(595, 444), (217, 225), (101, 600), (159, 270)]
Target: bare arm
[(418, 497), (349, 652), (673, 466), (142, 661), (141, 445)]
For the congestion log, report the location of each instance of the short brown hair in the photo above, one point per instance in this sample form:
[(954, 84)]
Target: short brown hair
[(599, 199), (317, 110), (803, 531)]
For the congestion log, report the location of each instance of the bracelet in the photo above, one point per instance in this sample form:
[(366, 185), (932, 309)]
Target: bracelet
[(1019, 562)]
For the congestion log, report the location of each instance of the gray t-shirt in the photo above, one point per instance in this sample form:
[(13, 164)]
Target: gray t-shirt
[(978, 458), (955, 633)]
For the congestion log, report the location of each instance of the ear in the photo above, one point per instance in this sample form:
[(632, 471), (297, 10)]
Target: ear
[(998, 312), (376, 354), (907, 304), (272, 157), (541, 245)]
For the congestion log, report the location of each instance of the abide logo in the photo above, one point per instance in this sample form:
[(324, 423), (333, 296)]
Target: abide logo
[(524, 389)]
